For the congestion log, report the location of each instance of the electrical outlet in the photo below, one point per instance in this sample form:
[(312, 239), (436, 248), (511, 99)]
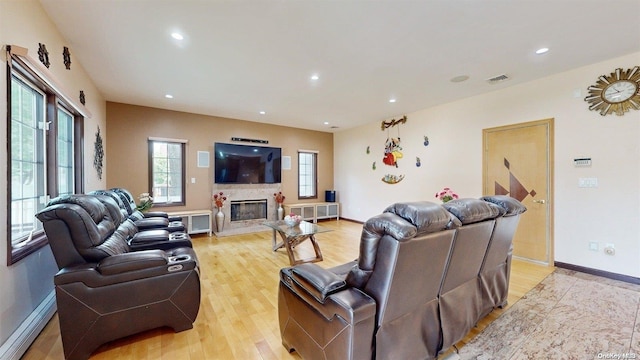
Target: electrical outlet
[(593, 246), (609, 249)]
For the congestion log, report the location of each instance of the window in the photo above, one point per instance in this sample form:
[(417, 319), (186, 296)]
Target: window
[(65, 153), (167, 171), (307, 174), (28, 175), (44, 139)]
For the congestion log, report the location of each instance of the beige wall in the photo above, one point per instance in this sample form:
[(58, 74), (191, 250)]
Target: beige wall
[(29, 282), (130, 127), (606, 214)]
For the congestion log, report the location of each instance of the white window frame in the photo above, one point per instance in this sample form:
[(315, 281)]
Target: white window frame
[(24, 206), (307, 174), (160, 192)]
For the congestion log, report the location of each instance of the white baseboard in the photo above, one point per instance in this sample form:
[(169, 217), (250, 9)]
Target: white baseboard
[(18, 343)]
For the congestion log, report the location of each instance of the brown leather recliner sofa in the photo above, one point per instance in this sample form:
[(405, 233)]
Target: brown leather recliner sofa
[(104, 289), (425, 275)]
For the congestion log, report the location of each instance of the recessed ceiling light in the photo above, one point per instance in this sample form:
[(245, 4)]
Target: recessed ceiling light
[(169, 96), (542, 50), (326, 123), (392, 100), (177, 36), (315, 77), (262, 112), (459, 78)]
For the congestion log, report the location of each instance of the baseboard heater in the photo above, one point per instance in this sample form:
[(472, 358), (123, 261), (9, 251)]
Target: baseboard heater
[(20, 340)]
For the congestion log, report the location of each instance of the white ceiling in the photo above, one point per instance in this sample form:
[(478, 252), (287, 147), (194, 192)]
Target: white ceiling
[(241, 57)]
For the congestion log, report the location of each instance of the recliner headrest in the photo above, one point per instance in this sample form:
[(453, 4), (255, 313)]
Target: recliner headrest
[(89, 203), (426, 216), (511, 205), (470, 211), (388, 224), (127, 199)]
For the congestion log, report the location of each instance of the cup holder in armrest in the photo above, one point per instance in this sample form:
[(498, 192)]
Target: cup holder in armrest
[(178, 236), (179, 258)]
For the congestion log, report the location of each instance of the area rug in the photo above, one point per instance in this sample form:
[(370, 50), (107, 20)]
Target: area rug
[(569, 315)]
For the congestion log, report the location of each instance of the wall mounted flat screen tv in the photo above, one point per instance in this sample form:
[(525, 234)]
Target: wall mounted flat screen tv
[(247, 164)]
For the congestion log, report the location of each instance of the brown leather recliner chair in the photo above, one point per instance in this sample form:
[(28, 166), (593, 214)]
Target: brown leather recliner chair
[(130, 203), (156, 235), (143, 221), (105, 291), (387, 306)]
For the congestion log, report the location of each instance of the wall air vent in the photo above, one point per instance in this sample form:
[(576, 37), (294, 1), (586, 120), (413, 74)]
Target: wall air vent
[(498, 79)]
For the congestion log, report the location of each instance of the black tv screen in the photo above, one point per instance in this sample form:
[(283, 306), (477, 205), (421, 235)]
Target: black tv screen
[(247, 164)]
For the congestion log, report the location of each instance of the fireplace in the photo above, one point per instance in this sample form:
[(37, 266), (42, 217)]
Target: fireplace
[(248, 210), (254, 202)]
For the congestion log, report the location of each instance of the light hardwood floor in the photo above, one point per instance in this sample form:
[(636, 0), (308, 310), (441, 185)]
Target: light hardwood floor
[(238, 316)]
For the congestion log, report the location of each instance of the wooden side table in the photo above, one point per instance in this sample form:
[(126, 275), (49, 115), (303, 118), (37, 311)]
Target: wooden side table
[(293, 235)]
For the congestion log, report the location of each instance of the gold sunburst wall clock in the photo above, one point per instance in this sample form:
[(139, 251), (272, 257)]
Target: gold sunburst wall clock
[(615, 93)]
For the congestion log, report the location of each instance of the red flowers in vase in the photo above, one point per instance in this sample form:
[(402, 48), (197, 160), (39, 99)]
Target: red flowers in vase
[(219, 199), (279, 197)]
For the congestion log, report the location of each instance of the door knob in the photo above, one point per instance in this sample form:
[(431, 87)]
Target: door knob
[(540, 201)]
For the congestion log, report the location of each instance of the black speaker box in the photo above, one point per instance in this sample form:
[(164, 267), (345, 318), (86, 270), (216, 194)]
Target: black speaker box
[(330, 196)]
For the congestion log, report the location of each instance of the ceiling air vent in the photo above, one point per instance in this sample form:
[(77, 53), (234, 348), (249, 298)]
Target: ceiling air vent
[(498, 79)]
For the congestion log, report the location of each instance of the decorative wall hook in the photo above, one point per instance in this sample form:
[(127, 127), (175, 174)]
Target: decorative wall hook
[(393, 122), (82, 99), (66, 56), (43, 55)]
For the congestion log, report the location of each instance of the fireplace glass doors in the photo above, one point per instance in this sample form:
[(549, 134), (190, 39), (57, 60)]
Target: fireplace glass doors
[(248, 210)]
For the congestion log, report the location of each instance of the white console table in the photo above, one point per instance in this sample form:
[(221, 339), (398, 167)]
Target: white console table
[(196, 221), (314, 211)]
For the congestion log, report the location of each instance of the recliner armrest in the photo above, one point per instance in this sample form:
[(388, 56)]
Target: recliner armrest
[(161, 214), (155, 214), (317, 281), (132, 261), (149, 236), (179, 259), (349, 303), (151, 223)]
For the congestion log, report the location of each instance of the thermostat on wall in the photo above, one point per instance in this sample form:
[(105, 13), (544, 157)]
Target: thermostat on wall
[(582, 162)]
